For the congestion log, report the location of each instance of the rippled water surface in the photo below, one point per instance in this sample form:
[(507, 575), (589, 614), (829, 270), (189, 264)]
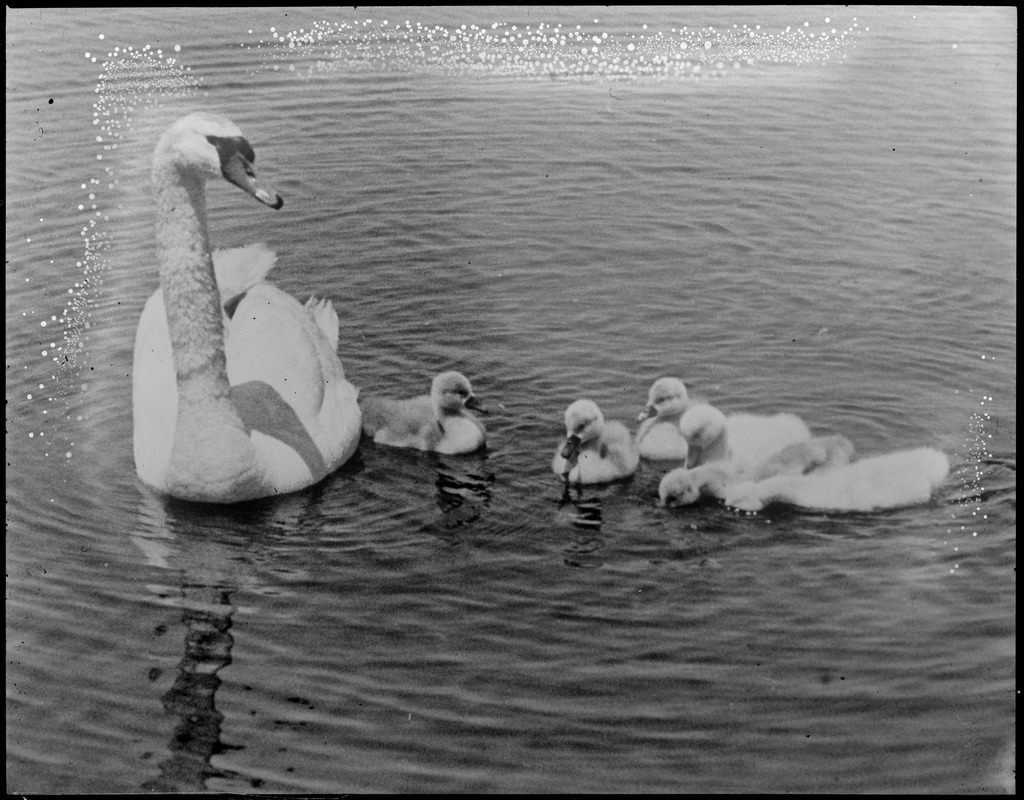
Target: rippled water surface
[(792, 209)]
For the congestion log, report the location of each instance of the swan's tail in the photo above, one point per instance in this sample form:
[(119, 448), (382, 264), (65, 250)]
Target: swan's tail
[(325, 317)]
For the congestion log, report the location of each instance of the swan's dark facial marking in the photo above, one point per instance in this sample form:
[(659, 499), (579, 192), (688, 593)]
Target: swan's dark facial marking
[(227, 146), (236, 165)]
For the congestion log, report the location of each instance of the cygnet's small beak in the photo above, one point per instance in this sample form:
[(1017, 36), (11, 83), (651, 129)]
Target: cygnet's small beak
[(693, 456), (571, 448), (647, 413), (475, 405)]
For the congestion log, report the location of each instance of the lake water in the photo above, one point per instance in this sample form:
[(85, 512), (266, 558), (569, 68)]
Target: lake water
[(803, 209)]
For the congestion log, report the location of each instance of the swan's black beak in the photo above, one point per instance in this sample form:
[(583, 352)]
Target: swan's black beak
[(571, 448), (647, 413), (236, 165), (475, 405)]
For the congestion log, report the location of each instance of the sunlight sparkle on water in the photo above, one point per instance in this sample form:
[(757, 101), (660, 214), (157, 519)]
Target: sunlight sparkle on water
[(544, 50), (131, 78)]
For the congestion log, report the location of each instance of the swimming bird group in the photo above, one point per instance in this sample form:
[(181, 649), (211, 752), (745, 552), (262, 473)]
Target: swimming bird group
[(746, 460), (238, 392)]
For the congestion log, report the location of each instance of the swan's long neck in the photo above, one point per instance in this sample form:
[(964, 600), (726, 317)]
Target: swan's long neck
[(191, 298), (212, 456)]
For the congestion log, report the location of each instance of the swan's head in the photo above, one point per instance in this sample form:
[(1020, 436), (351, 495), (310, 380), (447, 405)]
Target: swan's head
[(451, 393), (680, 487), (666, 397), (583, 422), (205, 145)]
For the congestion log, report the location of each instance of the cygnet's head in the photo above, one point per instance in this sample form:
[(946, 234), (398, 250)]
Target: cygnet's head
[(583, 422), (680, 487), (702, 424), (451, 393), (838, 449), (205, 145), (667, 396)]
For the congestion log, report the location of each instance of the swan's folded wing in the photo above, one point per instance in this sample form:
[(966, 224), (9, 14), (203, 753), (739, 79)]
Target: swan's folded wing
[(262, 409), (273, 339)]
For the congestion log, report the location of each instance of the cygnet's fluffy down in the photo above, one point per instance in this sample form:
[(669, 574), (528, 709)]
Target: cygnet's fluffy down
[(594, 451), (438, 422), (683, 486), (818, 453), (659, 437), (893, 480), (753, 438)]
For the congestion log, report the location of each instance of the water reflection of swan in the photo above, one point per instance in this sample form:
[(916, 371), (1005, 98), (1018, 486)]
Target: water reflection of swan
[(196, 567), (438, 422), (206, 614), (594, 451), (892, 480), (658, 438), (234, 397)]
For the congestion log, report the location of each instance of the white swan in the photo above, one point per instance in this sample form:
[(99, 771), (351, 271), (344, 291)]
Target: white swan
[(438, 422), (594, 451), (237, 390), (659, 437), (746, 440), (892, 480)]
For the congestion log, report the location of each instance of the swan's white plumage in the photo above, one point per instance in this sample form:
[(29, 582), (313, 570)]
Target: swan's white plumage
[(438, 422), (238, 392), (893, 480), (658, 437), (594, 451)]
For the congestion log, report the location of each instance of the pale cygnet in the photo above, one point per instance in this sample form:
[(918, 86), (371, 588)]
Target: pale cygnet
[(704, 428), (437, 422), (746, 440), (887, 481), (659, 437), (594, 451)]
